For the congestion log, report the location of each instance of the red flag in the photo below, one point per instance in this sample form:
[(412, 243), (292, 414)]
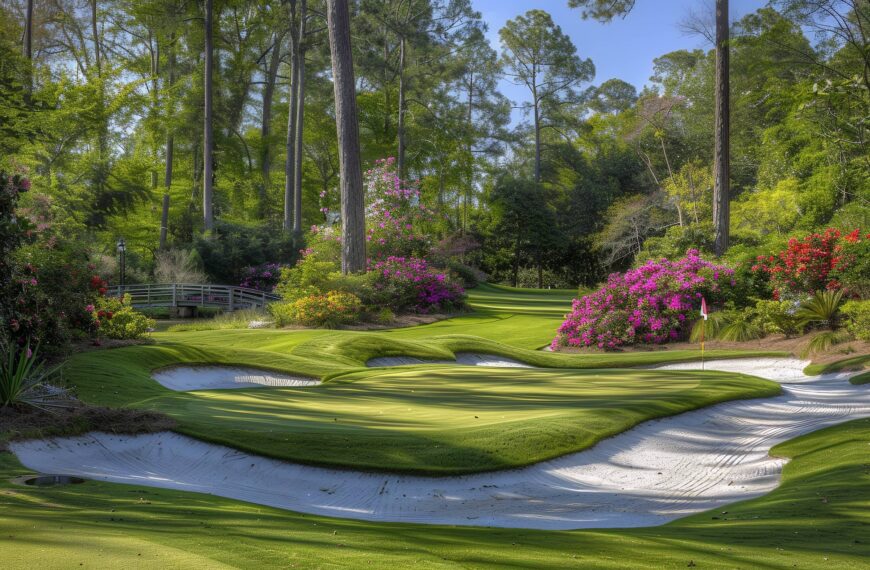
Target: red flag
[(704, 308)]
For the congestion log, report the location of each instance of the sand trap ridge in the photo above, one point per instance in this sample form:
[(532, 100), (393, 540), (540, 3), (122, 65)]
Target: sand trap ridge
[(186, 378), (462, 359), (659, 471)]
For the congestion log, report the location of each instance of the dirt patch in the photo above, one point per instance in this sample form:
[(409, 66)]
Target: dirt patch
[(780, 343), (21, 424)]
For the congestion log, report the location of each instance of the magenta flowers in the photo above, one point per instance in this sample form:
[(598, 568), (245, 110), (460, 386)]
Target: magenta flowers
[(650, 304), (410, 284)]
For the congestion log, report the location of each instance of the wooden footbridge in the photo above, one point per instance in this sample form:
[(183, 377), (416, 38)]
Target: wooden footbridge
[(189, 296)]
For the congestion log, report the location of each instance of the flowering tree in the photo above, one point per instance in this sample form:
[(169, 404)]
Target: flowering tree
[(395, 216), (650, 304)]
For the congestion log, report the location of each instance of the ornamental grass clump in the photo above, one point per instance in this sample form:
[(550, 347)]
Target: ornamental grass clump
[(651, 304)]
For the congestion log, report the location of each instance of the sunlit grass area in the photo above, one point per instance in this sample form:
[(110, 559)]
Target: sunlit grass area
[(817, 518)]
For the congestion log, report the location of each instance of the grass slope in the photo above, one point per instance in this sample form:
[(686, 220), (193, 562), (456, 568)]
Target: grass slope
[(421, 419), (818, 518)]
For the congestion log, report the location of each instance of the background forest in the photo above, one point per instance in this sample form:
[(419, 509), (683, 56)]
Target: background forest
[(108, 127)]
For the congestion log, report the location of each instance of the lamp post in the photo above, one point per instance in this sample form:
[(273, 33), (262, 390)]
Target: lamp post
[(122, 261)]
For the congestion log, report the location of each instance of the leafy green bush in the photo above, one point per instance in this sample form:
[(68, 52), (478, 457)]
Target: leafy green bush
[(330, 310), (469, 276), (115, 318), (232, 247), (528, 277), (777, 317), (857, 318), (852, 270), (385, 316)]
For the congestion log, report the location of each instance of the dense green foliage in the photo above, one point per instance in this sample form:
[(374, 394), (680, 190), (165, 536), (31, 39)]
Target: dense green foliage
[(601, 176)]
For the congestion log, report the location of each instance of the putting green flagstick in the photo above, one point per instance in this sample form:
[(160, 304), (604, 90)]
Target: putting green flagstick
[(703, 328)]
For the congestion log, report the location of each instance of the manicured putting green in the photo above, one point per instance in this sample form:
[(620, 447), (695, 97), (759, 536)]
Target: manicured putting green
[(435, 419)]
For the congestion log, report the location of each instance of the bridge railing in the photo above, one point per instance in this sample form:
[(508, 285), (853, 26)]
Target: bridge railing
[(224, 297)]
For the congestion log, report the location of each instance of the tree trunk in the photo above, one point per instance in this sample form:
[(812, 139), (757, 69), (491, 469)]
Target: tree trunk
[(28, 50), (155, 96), (102, 134), (517, 259), (470, 182), (266, 126), (300, 114), (400, 159), (94, 32), (207, 142), (353, 252), (290, 159), (540, 269), (170, 147), (721, 193), (537, 141)]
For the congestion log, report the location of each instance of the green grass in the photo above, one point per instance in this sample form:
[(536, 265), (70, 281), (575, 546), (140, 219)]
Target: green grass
[(422, 419), (432, 419), (427, 419), (859, 379), (851, 363), (818, 518)]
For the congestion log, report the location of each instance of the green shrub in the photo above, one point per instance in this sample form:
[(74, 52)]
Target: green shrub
[(777, 317), (330, 310), (857, 318), (232, 247), (822, 308), (385, 316), (739, 327), (469, 276), (115, 318), (822, 342), (852, 270)]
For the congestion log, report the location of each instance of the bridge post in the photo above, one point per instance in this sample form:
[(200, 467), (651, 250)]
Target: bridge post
[(232, 298), (174, 295)]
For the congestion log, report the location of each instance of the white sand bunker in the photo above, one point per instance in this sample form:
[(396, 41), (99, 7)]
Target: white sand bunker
[(659, 471), (462, 359), (186, 378)]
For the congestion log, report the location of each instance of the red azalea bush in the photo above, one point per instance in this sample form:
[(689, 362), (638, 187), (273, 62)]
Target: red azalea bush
[(408, 283), (653, 303), (815, 262)]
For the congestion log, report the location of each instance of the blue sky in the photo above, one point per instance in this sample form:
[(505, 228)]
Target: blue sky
[(624, 48)]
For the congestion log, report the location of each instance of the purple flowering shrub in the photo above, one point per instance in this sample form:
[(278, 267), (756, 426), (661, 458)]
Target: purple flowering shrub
[(262, 277), (399, 277), (651, 304), (408, 283)]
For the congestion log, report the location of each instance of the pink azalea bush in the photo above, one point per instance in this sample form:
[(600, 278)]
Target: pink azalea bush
[(408, 283), (399, 277), (652, 304)]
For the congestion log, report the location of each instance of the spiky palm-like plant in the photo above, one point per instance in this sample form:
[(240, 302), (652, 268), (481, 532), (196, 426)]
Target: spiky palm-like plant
[(24, 381), (823, 308)]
